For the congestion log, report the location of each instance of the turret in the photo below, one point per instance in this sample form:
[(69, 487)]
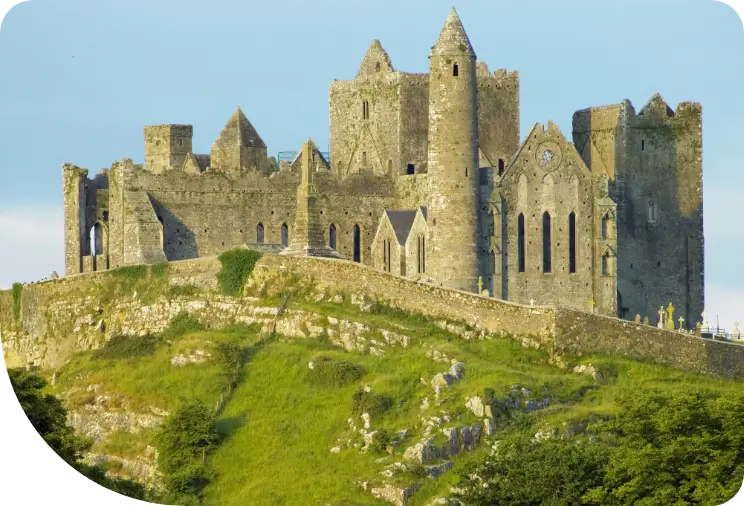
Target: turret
[(166, 146), (453, 160)]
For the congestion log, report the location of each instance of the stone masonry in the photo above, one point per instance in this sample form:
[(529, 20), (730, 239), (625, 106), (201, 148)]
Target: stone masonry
[(427, 179)]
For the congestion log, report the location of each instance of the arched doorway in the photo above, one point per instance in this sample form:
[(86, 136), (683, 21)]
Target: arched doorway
[(357, 244), (260, 233)]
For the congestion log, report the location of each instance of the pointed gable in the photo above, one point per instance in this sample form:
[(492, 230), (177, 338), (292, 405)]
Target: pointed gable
[(376, 62), (320, 160), (656, 107), (453, 40), (239, 131)]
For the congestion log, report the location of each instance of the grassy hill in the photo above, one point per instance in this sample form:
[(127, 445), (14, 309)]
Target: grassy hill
[(293, 433)]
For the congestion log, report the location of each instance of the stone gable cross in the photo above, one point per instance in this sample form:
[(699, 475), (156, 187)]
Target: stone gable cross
[(681, 321)]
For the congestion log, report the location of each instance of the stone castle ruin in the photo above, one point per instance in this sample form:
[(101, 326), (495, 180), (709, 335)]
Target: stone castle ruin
[(427, 179)]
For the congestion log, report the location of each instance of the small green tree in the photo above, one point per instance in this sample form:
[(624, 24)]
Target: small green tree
[(183, 442)]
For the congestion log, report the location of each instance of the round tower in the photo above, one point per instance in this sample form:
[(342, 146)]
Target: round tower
[(453, 160)]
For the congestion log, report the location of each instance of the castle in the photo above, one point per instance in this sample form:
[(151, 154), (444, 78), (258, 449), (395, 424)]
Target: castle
[(427, 179)]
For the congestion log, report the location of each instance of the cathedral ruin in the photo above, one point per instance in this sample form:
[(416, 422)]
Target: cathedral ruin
[(427, 179)]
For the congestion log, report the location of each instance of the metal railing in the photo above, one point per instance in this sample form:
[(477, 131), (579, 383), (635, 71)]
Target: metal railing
[(721, 334)]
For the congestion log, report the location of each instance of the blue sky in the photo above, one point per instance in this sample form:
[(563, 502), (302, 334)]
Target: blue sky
[(80, 79)]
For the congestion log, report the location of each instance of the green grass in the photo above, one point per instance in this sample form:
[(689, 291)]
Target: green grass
[(282, 418)]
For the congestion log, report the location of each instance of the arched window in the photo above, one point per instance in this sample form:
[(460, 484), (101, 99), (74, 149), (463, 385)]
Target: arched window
[(365, 109), (606, 264), (546, 243), (285, 235), (377, 67), (357, 244), (96, 239), (607, 225), (520, 242), (260, 233), (652, 212), (572, 243), (332, 236), (455, 70)]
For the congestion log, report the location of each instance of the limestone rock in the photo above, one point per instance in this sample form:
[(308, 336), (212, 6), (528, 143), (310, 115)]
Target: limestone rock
[(475, 404), (457, 370), (394, 494), (438, 470), (424, 452), (490, 427)]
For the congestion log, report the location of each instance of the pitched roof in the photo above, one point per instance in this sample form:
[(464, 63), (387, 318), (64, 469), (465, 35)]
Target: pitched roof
[(402, 221), (453, 40), (203, 161), (656, 103), (238, 130), (376, 56)]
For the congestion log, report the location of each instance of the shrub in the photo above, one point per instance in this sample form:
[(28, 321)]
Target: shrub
[(236, 267), (183, 441), (180, 325), (124, 347), (17, 291), (370, 402), (230, 361), (334, 373)]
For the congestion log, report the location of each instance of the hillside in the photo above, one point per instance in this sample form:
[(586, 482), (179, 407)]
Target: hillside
[(290, 439), (328, 392)]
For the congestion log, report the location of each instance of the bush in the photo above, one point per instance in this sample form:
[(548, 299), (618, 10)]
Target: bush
[(237, 266), (181, 324), (17, 291), (124, 347), (334, 373), (230, 361), (370, 402), (182, 290), (183, 442)]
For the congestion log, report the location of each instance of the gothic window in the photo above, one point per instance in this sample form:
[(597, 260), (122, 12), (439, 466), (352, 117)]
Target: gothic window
[(546, 243), (520, 242), (332, 236), (572, 243), (260, 233), (357, 244), (606, 264), (455, 70), (652, 214), (285, 235)]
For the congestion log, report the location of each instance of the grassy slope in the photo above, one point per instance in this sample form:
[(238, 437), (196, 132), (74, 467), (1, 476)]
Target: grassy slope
[(278, 428)]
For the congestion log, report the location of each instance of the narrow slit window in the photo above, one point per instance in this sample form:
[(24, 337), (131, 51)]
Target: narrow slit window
[(364, 158), (332, 236), (572, 243), (520, 242), (501, 166), (390, 267), (455, 70), (285, 235), (547, 250), (643, 145), (357, 244)]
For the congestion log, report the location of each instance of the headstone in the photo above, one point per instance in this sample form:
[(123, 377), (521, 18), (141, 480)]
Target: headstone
[(681, 321), (661, 318), (532, 302), (670, 317), (480, 284), (699, 329), (638, 318), (645, 320)]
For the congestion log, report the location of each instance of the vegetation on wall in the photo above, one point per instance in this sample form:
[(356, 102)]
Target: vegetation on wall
[(49, 417), (17, 292), (236, 267)]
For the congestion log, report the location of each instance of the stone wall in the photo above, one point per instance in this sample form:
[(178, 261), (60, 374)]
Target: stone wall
[(580, 333), (60, 317)]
